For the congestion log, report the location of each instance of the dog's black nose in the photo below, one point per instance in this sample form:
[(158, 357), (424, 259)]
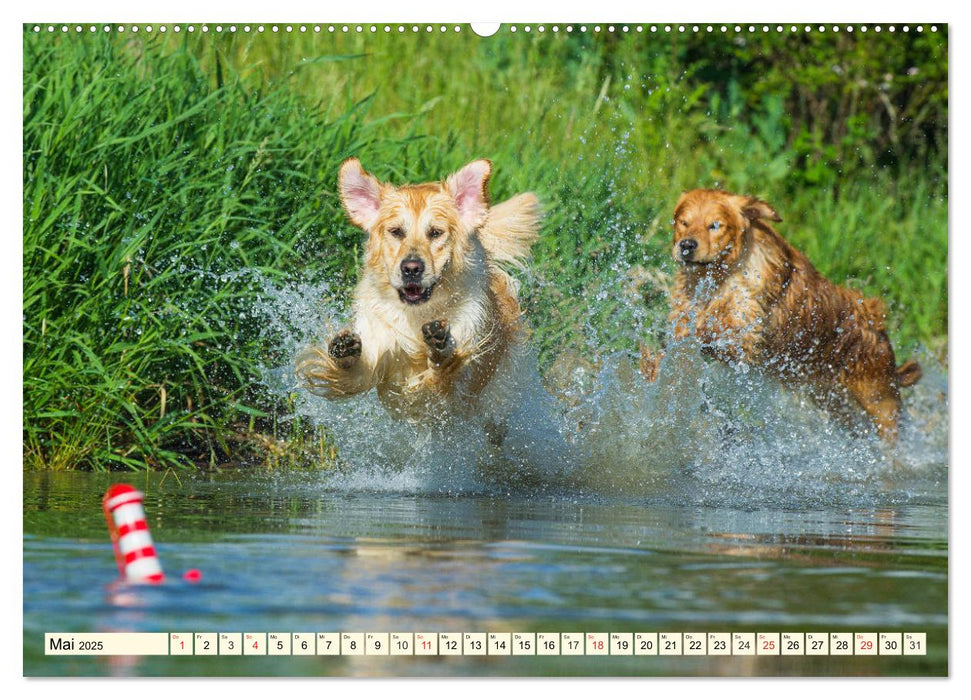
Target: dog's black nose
[(688, 246), (412, 269)]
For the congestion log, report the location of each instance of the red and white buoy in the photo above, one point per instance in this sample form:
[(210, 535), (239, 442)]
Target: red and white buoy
[(134, 549)]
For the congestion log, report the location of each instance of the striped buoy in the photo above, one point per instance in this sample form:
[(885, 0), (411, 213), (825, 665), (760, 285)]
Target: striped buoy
[(133, 545)]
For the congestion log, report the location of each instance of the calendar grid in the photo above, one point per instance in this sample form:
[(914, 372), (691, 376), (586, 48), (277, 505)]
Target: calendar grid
[(388, 644)]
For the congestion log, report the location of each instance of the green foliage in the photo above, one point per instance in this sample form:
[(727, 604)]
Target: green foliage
[(146, 193), (839, 100), (167, 179)]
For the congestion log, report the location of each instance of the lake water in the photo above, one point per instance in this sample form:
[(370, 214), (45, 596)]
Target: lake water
[(290, 552)]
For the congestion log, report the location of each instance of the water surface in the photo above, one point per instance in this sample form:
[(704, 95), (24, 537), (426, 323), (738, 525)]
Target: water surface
[(290, 552)]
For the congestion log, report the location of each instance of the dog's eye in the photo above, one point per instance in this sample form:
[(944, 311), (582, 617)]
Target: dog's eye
[(683, 223), (435, 232), (397, 232), (715, 226)]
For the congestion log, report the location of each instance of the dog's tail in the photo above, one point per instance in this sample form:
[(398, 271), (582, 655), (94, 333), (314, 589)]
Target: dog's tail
[(909, 373), (511, 229)]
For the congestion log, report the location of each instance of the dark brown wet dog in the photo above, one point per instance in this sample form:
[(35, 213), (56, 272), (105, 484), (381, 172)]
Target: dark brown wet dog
[(748, 296)]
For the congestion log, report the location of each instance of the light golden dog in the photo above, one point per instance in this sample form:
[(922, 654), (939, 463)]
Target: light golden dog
[(435, 317), (748, 296)]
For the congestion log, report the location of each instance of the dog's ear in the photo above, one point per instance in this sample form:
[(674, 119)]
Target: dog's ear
[(470, 189), (754, 209), (360, 193), (681, 200)]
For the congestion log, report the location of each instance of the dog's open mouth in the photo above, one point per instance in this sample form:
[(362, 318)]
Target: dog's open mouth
[(415, 293)]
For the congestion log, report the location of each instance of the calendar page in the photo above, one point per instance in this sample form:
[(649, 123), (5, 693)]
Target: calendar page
[(515, 349)]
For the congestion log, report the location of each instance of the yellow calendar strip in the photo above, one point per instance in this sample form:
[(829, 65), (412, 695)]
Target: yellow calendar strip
[(388, 644), (107, 644)]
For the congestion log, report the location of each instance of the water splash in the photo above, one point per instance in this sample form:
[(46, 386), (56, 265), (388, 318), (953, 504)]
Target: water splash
[(714, 434), (704, 433), (454, 455)]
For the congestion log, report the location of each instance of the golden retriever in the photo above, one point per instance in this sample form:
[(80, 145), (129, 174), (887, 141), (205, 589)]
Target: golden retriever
[(748, 296), (435, 317)]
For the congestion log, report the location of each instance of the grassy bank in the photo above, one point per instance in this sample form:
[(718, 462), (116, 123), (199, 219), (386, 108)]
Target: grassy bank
[(168, 179)]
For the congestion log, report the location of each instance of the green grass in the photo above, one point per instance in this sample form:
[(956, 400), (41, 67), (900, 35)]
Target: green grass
[(145, 193), (166, 179)]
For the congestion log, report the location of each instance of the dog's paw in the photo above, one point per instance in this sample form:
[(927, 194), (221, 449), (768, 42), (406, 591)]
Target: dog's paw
[(436, 335), (345, 348)]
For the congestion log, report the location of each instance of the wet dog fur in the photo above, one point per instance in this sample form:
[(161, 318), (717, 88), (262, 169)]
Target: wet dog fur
[(435, 316), (748, 296)]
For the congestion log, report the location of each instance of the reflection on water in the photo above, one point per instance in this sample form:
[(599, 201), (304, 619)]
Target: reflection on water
[(284, 553)]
